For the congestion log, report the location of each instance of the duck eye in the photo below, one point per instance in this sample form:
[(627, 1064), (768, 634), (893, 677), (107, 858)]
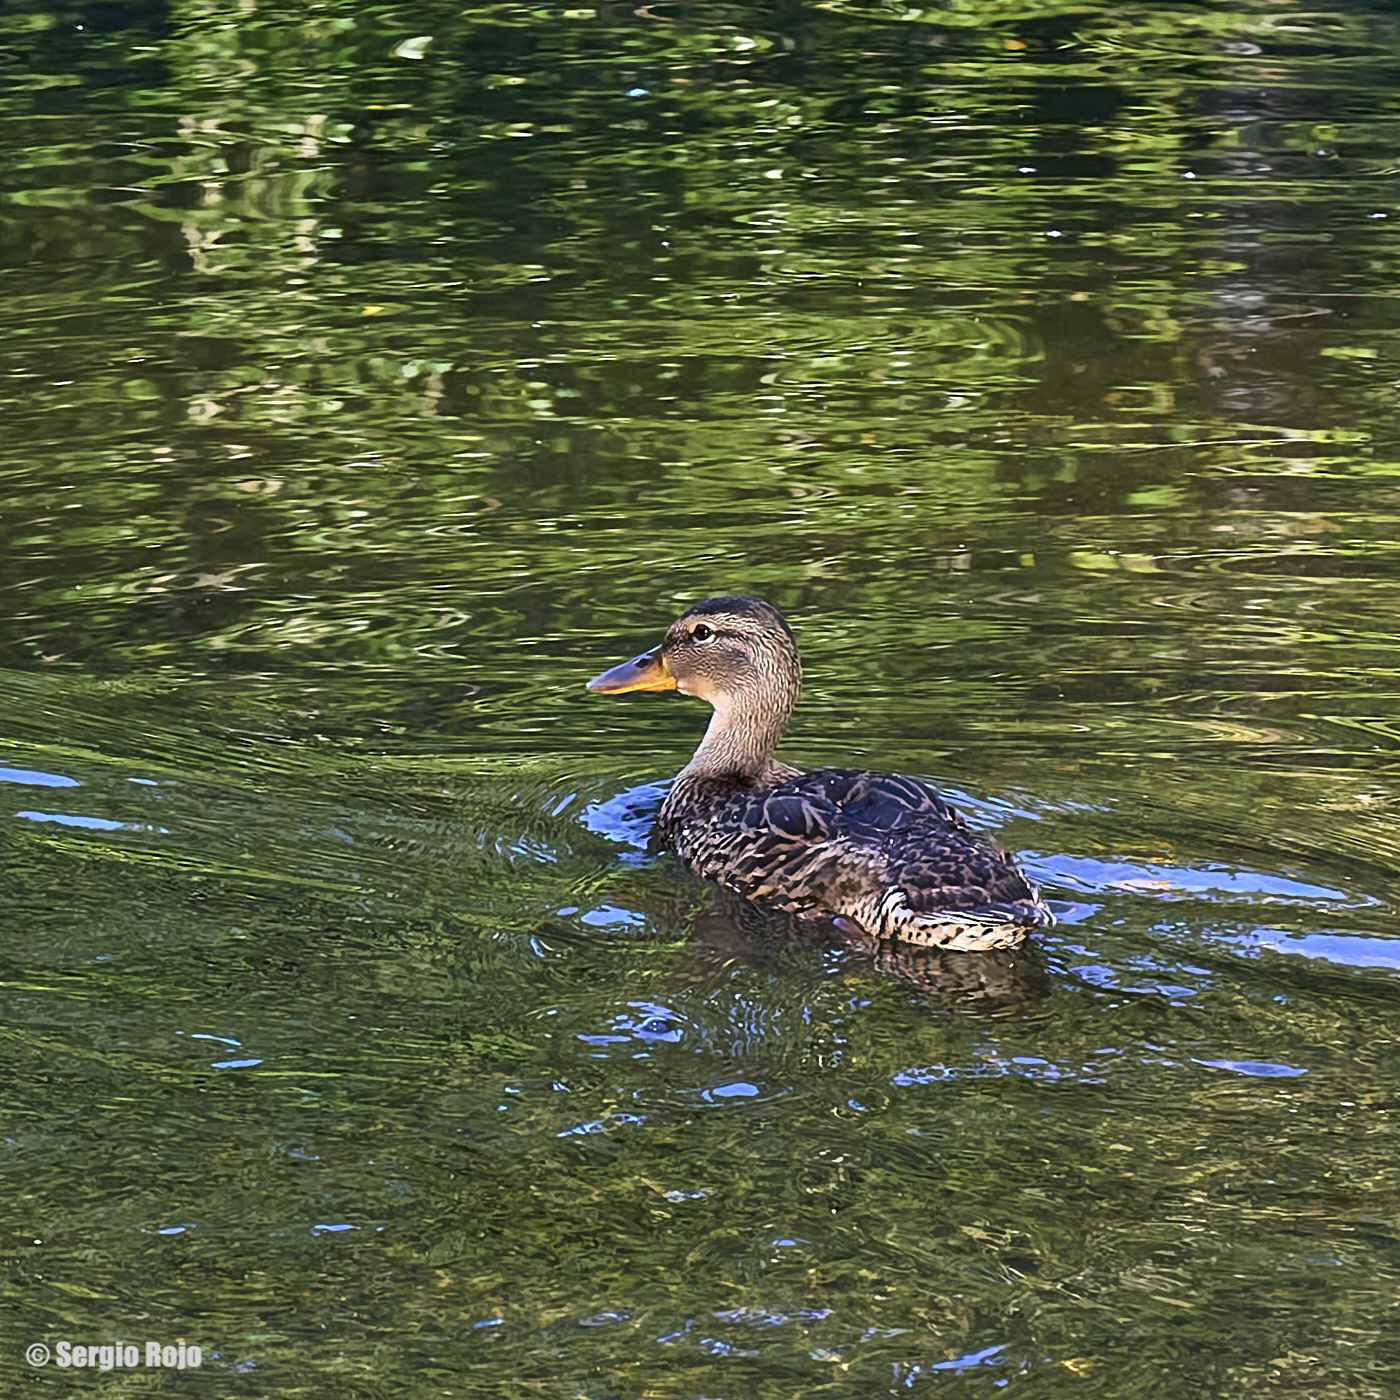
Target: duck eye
[(701, 633)]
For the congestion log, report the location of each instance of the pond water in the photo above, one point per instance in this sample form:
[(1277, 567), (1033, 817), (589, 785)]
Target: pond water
[(373, 376)]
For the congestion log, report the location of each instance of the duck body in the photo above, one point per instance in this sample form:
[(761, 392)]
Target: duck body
[(877, 851), (882, 854)]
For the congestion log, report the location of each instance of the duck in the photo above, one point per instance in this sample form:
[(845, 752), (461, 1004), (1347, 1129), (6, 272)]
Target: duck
[(881, 855)]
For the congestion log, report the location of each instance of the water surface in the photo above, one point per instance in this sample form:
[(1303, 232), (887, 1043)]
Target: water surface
[(374, 376)]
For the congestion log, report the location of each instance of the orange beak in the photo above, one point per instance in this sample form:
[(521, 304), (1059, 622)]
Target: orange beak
[(645, 673)]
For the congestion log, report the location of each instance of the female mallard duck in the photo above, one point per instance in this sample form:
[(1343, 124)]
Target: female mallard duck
[(880, 853)]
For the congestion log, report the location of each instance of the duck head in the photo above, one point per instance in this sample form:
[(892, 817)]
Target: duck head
[(738, 654)]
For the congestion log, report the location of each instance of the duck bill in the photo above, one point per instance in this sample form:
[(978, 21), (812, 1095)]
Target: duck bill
[(645, 673)]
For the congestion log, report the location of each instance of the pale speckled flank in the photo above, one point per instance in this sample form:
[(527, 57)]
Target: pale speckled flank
[(880, 853)]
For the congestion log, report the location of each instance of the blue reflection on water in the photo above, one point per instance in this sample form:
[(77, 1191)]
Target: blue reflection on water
[(740, 1090), (1347, 949), (643, 1021), (31, 778), (626, 818), (972, 1358), (1261, 1068), (91, 823), (1175, 881), (600, 1125)]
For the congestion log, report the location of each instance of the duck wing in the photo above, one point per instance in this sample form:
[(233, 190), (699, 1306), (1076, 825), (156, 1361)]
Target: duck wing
[(881, 850)]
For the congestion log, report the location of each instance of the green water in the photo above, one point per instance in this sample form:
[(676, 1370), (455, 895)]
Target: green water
[(371, 377)]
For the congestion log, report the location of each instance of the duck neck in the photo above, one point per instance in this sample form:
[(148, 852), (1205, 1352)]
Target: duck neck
[(738, 745)]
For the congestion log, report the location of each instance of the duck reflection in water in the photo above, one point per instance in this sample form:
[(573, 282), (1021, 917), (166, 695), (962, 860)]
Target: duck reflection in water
[(996, 982)]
